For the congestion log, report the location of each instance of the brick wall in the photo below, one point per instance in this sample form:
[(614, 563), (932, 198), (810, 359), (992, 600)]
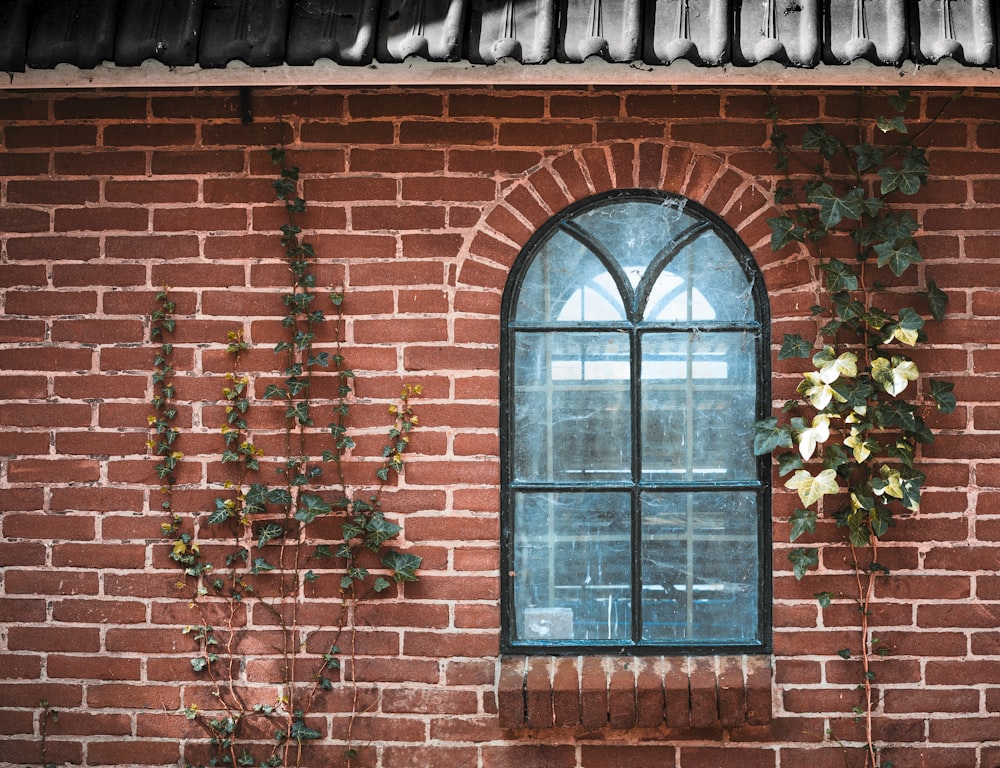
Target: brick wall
[(419, 202)]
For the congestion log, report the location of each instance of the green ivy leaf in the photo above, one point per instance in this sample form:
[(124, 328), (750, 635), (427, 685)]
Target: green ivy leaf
[(794, 345), (789, 462), (260, 565), (839, 277), (834, 208), (802, 559), (768, 436), (906, 328), (803, 521), (941, 393), (301, 732), (824, 599), (378, 530), (311, 506), (937, 300), (880, 520), (403, 565), (279, 496), (300, 412), (900, 99), (223, 511), (891, 124), (381, 584), (269, 532), (898, 255), (818, 139), (903, 179), (897, 413), (784, 231), (867, 156)]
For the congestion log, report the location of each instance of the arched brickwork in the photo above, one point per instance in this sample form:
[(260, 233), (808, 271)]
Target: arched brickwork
[(694, 172)]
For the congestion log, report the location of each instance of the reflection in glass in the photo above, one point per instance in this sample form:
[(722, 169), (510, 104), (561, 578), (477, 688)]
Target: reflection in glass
[(699, 566), (571, 405), (551, 290), (572, 564), (698, 394)]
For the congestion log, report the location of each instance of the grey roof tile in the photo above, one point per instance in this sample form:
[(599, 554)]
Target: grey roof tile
[(163, 30), (15, 23), (873, 30), (962, 31), (610, 29), (251, 31), (786, 31), (78, 32), (521, 30), (428, 29), (41, 34), (694, 30), (340, 30)]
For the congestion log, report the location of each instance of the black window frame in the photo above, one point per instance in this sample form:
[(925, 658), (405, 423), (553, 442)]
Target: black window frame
[(762, 486)]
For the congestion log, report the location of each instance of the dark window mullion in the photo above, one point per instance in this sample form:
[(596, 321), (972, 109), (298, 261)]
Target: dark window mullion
[(636, 508)]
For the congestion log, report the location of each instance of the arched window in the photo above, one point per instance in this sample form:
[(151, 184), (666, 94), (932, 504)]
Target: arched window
[(635, 362)]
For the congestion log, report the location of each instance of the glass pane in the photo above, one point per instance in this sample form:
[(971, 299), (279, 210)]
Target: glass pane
[(702, 282), (699, 567), (634, 232), (698, 397), (572, 563), (571, 407), (567, 283)]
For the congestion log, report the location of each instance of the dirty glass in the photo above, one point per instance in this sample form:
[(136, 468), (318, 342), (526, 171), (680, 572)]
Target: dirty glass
[(697, 392), (699, 566), (572, 566), (633, 369), (571, 405)]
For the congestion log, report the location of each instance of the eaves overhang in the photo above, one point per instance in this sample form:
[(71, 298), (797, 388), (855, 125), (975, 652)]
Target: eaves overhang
[(84, 44), (417, 73)]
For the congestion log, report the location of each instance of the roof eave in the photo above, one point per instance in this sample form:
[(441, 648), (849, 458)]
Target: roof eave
[(420, 72)]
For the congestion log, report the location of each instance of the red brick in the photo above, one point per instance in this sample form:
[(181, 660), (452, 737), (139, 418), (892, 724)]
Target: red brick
[(63, 135), (24, 220), (544, 134), (100, 163), (429, 133), (403, 161), (21, 330), (391, 105), (54, 248)]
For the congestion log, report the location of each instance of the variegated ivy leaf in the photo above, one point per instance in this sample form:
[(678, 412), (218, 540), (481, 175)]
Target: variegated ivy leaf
[(890, 484), (817, 433), (832, 368), (818, 392), (856, 442), (907, 329), (895, 374), (812, 489)]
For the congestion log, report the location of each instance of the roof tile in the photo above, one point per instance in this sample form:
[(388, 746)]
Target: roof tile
[(355, 33)]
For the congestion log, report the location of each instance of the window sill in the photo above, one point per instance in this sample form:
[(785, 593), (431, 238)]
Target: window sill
[(614, 692)]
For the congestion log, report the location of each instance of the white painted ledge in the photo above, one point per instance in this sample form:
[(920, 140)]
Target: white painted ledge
[(418, 72)]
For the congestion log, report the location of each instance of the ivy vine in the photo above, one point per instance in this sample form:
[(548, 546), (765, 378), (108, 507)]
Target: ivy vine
[(273, 553), (850, 445)]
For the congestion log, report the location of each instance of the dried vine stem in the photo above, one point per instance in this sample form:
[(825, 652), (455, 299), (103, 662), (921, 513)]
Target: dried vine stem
[(268, 525)]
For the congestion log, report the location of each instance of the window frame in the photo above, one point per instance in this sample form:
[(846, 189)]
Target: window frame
[(762, 487)]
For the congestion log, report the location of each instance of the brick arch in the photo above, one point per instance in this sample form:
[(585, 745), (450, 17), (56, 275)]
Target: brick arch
[(692, 171)]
